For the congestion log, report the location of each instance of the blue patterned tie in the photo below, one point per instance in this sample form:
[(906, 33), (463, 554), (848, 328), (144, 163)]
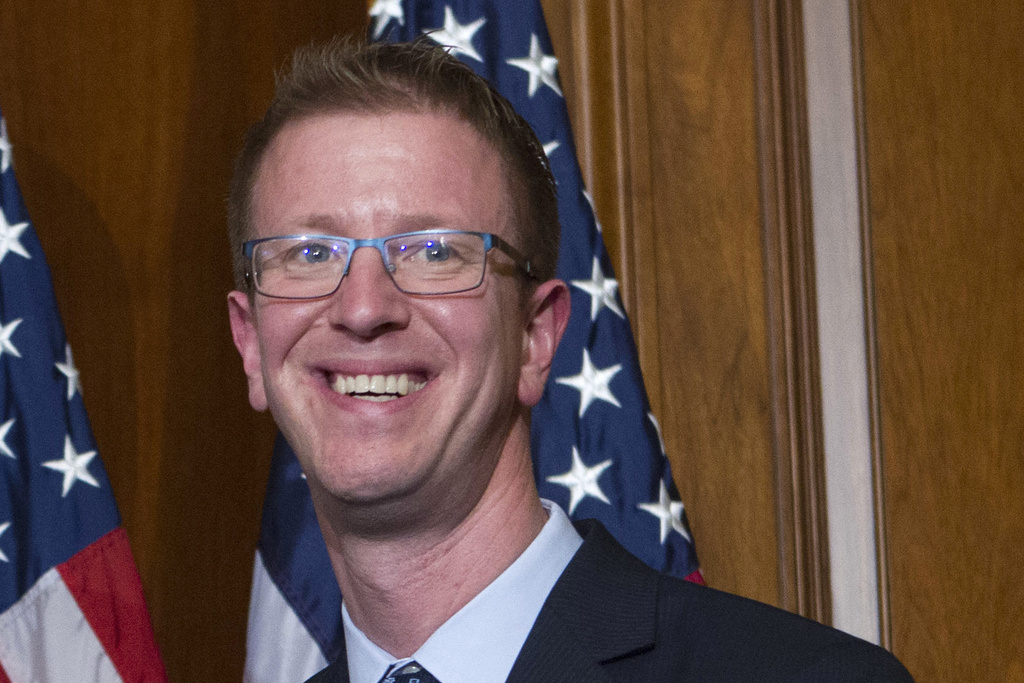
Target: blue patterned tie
[(409, 673)]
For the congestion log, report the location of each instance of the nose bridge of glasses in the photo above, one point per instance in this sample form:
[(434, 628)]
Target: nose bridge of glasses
[(376, 244)]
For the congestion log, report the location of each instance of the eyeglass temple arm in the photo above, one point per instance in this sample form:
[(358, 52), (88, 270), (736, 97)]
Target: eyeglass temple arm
[(521, 261)]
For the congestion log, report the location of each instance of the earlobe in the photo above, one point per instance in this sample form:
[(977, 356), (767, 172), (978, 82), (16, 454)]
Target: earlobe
[(243, 332), (548, 316)]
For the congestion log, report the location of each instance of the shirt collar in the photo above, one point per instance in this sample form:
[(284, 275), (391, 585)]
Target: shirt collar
[(480, 642)]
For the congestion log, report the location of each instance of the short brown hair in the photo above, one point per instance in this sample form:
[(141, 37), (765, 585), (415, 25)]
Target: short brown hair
[(345, 76)]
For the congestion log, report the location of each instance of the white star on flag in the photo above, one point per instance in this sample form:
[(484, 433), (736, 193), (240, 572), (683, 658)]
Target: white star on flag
[(593, 209), (5, 338), (383, 11), (75, 467), (3, 528), (10, 236), (69, 370), (540, 66), (459, 37), (4, 448), (592, 383), (5, 147), (669, 513), (602, 291), (582, 480), (657, 428), (550, 147)]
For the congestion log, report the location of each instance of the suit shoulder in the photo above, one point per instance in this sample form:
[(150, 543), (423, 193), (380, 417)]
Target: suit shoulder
[(643, 625), (730, 630)]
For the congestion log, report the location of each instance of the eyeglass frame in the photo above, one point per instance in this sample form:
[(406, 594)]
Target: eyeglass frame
[(490, 241)]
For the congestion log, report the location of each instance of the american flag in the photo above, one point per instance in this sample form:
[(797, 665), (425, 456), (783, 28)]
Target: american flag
[(71, 603), (597, 447)]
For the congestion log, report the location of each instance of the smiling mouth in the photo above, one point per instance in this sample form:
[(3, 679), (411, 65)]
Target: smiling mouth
[(376, 387)]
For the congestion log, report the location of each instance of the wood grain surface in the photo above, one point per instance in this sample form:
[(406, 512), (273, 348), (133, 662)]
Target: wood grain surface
[(944, 92)]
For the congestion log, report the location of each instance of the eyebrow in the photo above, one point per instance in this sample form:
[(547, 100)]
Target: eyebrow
[(330, 224), (320, 222)]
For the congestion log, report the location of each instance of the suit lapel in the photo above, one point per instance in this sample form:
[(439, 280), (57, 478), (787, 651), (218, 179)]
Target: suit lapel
[(603, 607), (554, 654)]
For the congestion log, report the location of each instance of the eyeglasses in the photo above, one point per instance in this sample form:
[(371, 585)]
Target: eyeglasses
[(422, 262)]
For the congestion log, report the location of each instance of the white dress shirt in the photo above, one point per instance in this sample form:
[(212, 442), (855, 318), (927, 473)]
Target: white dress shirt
[(480, 642)]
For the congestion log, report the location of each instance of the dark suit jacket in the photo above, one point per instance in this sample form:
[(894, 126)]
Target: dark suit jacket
[(611, 618)]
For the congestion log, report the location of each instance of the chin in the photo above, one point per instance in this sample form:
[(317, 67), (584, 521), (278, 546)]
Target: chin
[(362, 486)]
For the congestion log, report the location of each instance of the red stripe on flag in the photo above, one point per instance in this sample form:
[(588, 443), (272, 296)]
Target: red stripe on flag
[(696, 577), (105, 584), (3, 676)]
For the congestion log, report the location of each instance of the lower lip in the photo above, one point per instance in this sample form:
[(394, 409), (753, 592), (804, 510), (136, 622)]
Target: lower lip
[(378, 399)]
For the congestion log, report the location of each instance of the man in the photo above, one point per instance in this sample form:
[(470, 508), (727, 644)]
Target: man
[(395, 233)]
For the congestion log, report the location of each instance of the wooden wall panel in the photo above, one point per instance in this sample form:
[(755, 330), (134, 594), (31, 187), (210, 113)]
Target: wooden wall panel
[(707, 264), (944, 92), (125, 117), (664, 105)]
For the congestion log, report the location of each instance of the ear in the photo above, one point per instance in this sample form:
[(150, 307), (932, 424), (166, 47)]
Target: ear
[(547, 316), (243, 331)]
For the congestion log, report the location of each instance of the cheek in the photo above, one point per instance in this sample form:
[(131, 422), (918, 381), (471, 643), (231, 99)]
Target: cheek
[(484, 336), (501, 335), (282, 325)]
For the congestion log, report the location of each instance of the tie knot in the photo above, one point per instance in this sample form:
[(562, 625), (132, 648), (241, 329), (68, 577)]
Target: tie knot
[(409, 673)]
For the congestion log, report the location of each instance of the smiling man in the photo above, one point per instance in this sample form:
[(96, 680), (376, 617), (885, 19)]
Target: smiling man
[(394, 227)]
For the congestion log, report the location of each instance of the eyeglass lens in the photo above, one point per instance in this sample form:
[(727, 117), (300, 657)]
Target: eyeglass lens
[(421, 263)]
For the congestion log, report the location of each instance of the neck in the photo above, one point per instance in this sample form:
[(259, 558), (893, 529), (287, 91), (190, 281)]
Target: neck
[(400, 588)]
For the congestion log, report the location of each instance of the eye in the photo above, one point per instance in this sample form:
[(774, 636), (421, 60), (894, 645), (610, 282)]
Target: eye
[(436, 251), (315, 253), (432, 252)]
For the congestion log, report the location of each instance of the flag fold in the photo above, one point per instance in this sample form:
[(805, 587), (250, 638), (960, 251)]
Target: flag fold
[(71, 602)]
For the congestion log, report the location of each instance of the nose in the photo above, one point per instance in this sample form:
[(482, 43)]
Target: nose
[(367, 303)]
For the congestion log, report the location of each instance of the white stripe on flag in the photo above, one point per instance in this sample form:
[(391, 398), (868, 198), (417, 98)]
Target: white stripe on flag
[(278, 647), (45, 637)]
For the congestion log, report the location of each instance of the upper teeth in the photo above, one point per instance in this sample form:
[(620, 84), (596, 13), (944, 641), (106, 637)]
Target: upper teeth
[(376, 387)]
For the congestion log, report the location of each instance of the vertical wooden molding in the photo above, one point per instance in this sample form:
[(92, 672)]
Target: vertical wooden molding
[(623, 160), (634, 187), (871, 333), (582, 34), (791, 309)]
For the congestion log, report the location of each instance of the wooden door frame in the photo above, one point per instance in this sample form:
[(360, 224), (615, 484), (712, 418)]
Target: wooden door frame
[(791, 305)]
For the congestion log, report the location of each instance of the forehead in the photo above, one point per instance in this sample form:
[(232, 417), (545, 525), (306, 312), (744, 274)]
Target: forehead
[(350, 172)]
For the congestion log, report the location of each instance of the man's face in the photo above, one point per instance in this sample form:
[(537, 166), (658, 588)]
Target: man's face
[(470, 360)]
